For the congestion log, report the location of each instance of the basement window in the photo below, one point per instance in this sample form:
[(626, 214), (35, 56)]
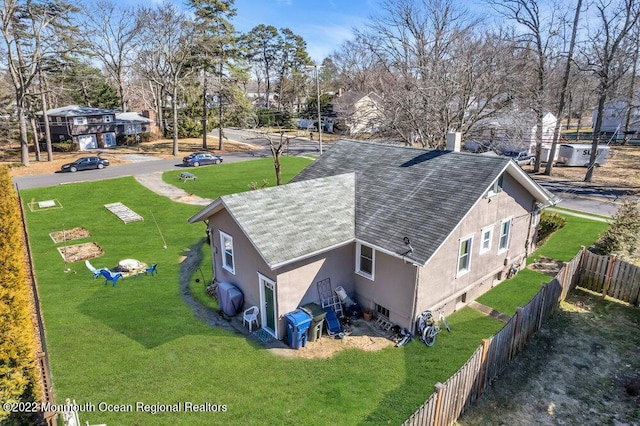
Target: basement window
[(382, 311)]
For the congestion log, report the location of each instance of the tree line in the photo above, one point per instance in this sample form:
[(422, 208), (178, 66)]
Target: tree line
[(436, 65)]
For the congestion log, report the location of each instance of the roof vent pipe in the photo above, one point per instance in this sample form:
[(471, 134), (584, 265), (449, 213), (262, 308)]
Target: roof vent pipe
[(454, 141)]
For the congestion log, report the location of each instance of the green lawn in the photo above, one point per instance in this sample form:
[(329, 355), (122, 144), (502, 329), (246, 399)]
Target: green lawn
[(139, 342), (214, 181), (563, 245), (566, 242)]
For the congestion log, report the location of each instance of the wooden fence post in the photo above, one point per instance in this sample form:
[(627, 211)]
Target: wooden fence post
[(542, 304), (439, 389), (608, 275), (483, 367), (514, 336), (579, 270)]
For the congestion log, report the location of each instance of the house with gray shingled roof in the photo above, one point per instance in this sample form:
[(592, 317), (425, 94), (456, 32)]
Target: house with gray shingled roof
[(402, 230), (91, 128)]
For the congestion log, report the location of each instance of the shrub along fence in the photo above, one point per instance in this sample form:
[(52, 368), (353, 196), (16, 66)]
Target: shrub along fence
[(603, 274)]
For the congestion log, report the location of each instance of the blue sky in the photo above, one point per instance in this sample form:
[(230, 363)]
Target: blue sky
[(324, 24)]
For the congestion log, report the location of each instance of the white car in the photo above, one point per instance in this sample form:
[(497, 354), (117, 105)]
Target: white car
[(522, 158)]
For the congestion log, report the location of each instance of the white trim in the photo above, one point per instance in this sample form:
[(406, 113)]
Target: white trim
[(462, 272), (506, 247), (262, 307), (482, 240), (304, 256), (223, 253), (359, 270), (390, 253), (523, 179)]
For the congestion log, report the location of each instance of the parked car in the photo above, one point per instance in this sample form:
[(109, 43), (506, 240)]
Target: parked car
[(200, 158), (85, 163), (522, 158)]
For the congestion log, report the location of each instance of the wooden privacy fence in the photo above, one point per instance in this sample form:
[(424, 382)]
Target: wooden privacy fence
[(461, 390), (611, 277)]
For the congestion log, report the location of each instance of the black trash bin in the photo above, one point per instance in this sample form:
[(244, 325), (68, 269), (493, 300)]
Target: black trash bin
[(317, 320), (298, 323)]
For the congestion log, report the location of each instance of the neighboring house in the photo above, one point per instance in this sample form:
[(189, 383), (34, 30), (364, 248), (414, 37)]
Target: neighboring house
[(360, 112), (92, 128), (401, 229), (133, 123), (510, 131), (614, 118)]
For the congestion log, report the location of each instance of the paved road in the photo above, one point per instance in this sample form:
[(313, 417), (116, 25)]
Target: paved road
[(142, 164), (150, 165), (576, 196), (592, 199)]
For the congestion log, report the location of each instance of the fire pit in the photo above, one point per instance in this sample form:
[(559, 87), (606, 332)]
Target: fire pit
[(130, 267)]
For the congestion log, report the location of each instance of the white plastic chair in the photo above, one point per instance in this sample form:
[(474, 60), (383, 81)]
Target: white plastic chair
[(250, 315)]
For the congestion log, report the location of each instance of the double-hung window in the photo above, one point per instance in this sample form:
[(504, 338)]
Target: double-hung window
[(228, 261), (505, 230), (464, 256), (365, 261), (485, 243)]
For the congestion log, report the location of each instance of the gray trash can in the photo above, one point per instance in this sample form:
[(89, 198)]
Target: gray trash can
[(317, 320)]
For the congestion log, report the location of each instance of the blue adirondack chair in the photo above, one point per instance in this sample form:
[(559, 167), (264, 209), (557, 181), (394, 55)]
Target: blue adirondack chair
[(110, 276), (151, 269)]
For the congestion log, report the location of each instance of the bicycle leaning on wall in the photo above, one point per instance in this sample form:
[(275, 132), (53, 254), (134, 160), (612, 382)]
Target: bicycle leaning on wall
[(428, 327)]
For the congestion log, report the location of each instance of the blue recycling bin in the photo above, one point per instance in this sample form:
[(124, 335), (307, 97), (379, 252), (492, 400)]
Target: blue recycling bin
[(298, 323)]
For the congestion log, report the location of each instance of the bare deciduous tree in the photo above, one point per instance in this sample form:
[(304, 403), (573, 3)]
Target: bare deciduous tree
[(25, 26), (607, 56), (112, 31), (563, 90), (537, 32), (169, 32)]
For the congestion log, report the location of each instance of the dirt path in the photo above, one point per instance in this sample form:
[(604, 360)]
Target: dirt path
[(582, 368)]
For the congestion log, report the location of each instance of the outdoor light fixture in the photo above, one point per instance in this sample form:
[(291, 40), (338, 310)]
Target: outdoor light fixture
[(407, 242)]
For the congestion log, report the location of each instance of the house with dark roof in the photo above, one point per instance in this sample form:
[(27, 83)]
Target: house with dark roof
[(402, 230), (91, 128)]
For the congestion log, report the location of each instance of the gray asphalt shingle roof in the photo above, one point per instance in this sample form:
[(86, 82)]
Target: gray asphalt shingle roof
[(376, 193), (293, 221), (408, 192), (78, 111)]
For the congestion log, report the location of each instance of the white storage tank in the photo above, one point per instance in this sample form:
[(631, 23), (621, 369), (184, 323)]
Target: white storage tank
[(579, 154)]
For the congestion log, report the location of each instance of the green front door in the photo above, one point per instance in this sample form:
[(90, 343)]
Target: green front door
[(268, 295)]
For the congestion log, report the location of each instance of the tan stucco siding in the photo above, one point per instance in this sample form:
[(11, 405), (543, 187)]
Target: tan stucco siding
[(393, 287), (439, 281), (247, 260), (297, 282)]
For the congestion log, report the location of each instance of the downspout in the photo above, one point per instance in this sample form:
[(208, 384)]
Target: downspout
[(212, 247), (414, 314), (528, 243)]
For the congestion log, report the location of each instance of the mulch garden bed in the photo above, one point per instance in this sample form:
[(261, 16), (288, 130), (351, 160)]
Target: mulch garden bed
[(69, 234), (80, 252), (546, 266)]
